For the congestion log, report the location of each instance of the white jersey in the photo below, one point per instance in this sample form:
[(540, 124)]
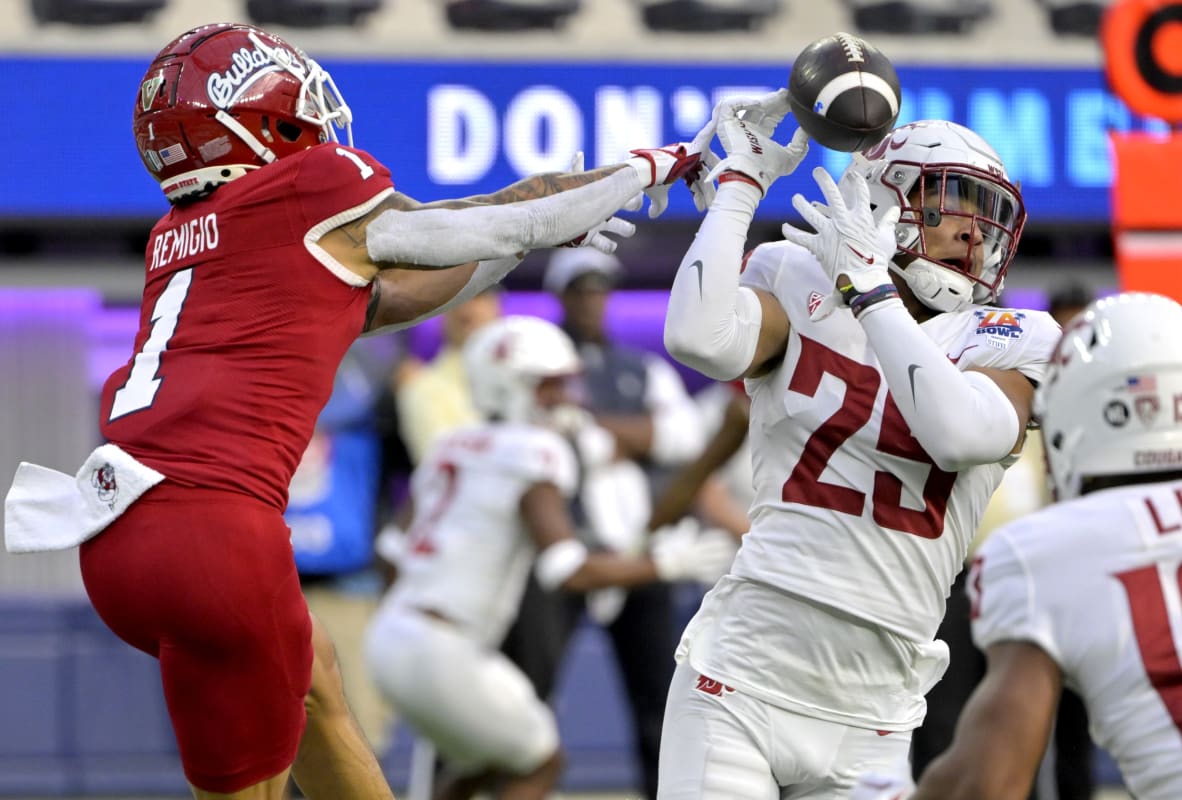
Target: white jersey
[(468, 556), (852, 524), (1095, 582)]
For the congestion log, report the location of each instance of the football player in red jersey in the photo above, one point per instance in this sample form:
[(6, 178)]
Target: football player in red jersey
[(283, 244)]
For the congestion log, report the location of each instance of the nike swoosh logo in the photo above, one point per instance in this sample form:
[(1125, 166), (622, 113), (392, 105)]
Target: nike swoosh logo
[(962, 352), (869, 260), (911, 377), (697, 265)]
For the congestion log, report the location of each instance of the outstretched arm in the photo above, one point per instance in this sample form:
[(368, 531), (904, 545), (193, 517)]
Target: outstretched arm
[(1002, 732), (712, 324), (348, 243), (543, 211)]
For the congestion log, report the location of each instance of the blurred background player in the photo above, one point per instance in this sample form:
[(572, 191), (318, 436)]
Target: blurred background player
[(490, 500), (638, 396), (716, 485), (433, 398), (243, 324), (1085, 593), (884, 401)]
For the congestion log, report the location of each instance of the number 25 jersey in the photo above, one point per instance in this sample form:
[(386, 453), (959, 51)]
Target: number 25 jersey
[(244, 322), (849, 510)]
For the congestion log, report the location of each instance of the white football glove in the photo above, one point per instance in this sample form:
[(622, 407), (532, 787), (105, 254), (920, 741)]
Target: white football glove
[(764, 113), (882, 787), (663, 166), (854, 250), (616, 226), (753, 153), (684, 552)]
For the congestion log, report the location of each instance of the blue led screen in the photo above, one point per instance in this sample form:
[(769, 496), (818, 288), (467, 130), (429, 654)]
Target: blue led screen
[(450, 128)]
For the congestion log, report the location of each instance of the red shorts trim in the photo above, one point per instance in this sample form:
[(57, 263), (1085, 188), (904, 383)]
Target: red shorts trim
[(205, 581)]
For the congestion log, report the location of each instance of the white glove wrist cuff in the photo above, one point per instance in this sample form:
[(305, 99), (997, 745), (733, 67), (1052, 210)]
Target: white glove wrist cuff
[(558, 562), (645, 170)]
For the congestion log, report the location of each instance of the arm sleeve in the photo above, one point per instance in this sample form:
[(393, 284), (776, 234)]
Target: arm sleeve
[(485, 275), (1004, 598), (678, 429), (712, 323), (447, 236), (961, 419)]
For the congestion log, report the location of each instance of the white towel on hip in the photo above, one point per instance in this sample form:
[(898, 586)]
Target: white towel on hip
[(50, 510)]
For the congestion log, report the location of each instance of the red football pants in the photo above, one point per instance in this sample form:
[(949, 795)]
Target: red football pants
[(205, 581)]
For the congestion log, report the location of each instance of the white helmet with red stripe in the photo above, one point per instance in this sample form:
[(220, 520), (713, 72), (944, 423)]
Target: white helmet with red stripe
[(935, 169)]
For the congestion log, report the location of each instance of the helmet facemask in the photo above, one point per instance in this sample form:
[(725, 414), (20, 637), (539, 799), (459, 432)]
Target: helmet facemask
[(986, 214), (947, 182), (319, 101)]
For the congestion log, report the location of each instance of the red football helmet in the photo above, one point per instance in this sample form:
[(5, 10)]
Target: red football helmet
[(223, 99)]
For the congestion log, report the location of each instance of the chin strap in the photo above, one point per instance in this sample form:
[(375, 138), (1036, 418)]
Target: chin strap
[(239, 130)]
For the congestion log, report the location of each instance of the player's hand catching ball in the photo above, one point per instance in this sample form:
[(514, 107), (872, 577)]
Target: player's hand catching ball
[(854, 249)]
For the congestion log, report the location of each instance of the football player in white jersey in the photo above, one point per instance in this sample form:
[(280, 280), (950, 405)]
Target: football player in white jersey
[(887, 394), (1087, 593), (490, 501)]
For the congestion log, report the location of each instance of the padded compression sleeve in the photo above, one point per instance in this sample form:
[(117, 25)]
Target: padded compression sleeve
[(447, 236), (960, 418), (712, 324)]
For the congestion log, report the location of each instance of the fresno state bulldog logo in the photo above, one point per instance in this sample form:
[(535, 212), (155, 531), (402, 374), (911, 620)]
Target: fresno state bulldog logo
[(105, 485)]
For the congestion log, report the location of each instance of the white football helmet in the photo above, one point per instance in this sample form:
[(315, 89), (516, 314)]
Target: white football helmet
[(507, 358), (935, 169), (1110, 404)]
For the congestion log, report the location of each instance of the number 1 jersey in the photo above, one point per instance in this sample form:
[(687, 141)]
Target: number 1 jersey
[(244, 322)]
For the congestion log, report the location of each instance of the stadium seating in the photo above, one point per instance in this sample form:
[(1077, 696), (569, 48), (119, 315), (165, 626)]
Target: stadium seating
[(918, 16), (1075, 17), (310, 13), (94, 12), (509, 15), (706, 16)]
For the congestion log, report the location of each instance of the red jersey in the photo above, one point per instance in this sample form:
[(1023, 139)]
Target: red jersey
[(243, 325)]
